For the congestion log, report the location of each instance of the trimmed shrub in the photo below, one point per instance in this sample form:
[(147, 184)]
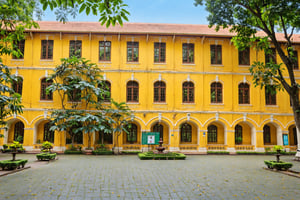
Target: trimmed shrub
[(131, 152), (12, 165), (165, 156), (218, 152), (102, 152), (46, 156), (272, 164), (72, 152)]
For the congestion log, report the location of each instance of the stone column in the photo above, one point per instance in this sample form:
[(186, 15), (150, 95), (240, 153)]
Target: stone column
[(260, 147), (203, 141), (28, 139), (230, 141), (174, 140)]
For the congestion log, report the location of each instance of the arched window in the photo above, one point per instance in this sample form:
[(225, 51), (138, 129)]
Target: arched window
[(17, 85), (188, 92), (238, 134), (48, 135), (244, 93), (132, 133), (216, 93), (19, 132), (44, 84), (107, 87), (159, 128), (159, 91), (267, 134), (212, 133), (132, 91), (105, 138), (270, 95), (186, 133)]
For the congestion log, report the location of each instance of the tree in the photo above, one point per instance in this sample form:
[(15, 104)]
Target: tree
[(249, 19), (18, 15), (79, 86), (10, 102), (118, 118)]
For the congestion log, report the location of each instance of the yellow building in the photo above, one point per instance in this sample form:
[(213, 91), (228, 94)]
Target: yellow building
[(187, 82)]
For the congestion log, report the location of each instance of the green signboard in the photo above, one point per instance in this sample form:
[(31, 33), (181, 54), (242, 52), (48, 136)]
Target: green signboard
[(150, 138)]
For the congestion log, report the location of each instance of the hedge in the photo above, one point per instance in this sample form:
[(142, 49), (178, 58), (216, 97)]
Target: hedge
[(164, 156), (46, 156), (72, 152), (218, 152), (272, 164), (102, 152), (131, 152), (11, 165)]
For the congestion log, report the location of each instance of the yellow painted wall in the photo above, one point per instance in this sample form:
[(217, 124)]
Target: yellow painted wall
[(173, 72)]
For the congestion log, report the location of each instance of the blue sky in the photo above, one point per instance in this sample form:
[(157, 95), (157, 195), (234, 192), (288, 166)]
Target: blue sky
[(154, 11)]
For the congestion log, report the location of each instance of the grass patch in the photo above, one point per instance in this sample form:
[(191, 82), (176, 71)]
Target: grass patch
[(166, 156), (12, 165)]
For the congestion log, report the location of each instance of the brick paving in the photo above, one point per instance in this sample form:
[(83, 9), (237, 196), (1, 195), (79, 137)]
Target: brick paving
[(126, 177)]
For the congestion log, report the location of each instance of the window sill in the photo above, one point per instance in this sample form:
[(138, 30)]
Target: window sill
[(46, 101), (245, 105), (135, 63), (216, 104), (272, 106), (133, 103), (160, 103), (244, 66), (217, 65), (46, 60), (189, 64), (159, 63), (105, 62), (193, 103)]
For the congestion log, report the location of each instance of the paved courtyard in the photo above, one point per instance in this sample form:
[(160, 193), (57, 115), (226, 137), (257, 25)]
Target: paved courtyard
[(126, 177)]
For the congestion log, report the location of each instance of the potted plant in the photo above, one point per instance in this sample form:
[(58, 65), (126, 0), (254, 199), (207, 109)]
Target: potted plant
[(47, 146)]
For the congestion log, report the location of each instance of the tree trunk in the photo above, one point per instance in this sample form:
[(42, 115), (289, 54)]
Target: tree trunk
[(89, 140), (296, 111)]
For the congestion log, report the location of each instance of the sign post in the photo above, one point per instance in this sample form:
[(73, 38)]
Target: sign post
[(150, 138)]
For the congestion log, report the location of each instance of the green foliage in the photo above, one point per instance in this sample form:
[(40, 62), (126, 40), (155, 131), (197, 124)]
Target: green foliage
[(165, 156), (47, 145), (249, 153), (15, 145), (72, 152), (278, 148), (217, 152), (86, 114), (12, 165), (109, 11), (131, 152), (5, 146), (246, 19), (271, 164), (46, 156), (102, 152), (10, 102)]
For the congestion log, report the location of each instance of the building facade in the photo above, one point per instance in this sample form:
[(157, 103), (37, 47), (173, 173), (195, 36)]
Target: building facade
[(187, 82)]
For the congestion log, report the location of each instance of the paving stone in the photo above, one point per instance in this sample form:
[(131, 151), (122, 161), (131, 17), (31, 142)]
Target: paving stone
[(127, 177)]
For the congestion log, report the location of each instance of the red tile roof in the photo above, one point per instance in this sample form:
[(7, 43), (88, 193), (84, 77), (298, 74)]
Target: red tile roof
[(140, 28)]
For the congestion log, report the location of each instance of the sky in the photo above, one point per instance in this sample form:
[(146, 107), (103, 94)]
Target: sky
[(153, 11)]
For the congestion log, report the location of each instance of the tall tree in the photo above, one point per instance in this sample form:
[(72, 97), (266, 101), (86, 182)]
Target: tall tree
[(79, 86), (10, 102), (248, 19)]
